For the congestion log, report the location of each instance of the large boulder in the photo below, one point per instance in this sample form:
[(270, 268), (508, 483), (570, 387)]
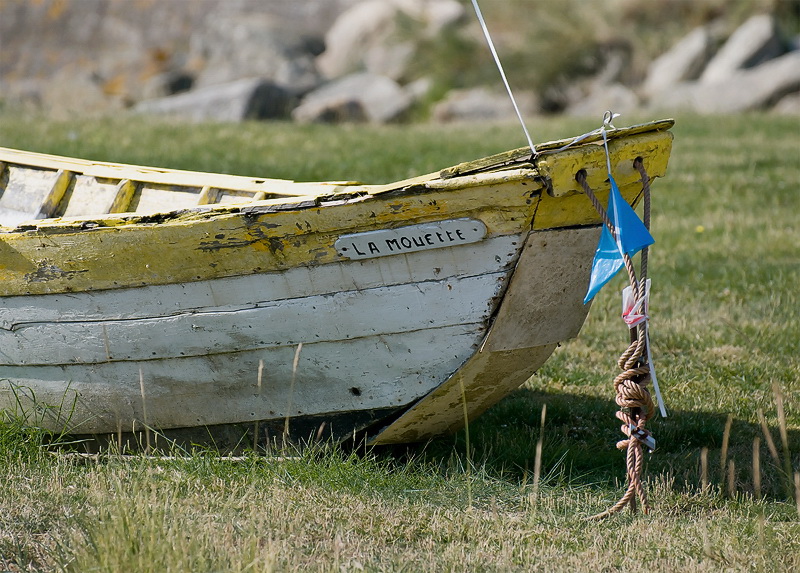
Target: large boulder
[(750, 89), (229, 102), (482, 104), (370, 35), (684, 61), (355, 98), (615, 97), (753, 43), (788, 105), (232, 46)]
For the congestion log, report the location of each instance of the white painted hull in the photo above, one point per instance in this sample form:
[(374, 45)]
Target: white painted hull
[(375, 334)]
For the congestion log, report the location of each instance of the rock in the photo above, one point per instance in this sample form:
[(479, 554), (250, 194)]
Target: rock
[(361, 34), (167, 84), (684, 61), (132, 50), (75, 50), (357, 97), (233, 101), (614, 97), (788, 105), (481, 104), (74, 89), (368, 36), (753, 43), (232, 46), (419, 89), (750, 89)]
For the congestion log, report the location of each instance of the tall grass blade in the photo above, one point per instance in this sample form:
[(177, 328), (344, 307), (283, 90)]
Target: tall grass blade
[(537, 461), (466, 438), (291, 390), (726, 436), (787, 456), (732, 479), (797, 491), (704, 469), (773, 451), (757, 467), (255, 424), (144, 412)]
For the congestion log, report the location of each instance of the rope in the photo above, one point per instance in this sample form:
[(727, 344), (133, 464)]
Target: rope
[(503, 74), (634, 401)]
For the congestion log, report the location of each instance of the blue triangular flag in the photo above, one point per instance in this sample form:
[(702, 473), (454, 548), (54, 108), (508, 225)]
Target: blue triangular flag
[(607, 261), (632, 236)]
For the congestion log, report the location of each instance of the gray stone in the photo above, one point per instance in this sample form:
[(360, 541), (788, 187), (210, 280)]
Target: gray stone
[(753, 43), (357, 97), (788, 105), (419, 89), (362, 33), (368, 36), (614, 97), (750, 89), (684, 61), (233, 101), (234, 46), (481, 104), (119, 52), (167, 84)]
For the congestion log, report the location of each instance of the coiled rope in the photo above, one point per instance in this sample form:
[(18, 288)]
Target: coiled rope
[(632, 396)]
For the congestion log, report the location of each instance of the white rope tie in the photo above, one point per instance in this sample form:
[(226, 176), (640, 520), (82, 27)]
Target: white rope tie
[(503, 74)]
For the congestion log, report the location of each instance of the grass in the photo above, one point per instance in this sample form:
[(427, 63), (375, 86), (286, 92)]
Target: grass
[(725, 329)]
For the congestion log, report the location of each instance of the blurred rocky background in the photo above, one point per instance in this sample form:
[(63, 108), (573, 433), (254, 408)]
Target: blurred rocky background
[(392, 60)]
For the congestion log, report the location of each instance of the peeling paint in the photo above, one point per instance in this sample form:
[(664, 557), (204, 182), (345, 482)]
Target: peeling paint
[(48, 272)]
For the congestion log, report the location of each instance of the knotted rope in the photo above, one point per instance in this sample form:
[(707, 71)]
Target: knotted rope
[(632, 396)]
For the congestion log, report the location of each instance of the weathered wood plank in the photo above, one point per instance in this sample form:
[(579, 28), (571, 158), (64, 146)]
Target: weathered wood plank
[(485, 379), (52, 200), (26, 189), (123, 196), (89, 196), (544, 301), (3, 177), (347, 315), (160, 176), (362, 374), (523, 154), (490, 256), (542, 307), (209, 195), (561, 168), (199, 246)]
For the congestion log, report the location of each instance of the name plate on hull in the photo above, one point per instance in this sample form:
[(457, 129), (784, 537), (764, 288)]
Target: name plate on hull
[(385, 242)]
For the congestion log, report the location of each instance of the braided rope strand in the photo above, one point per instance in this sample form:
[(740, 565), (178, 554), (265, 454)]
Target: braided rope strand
[(632, 396)]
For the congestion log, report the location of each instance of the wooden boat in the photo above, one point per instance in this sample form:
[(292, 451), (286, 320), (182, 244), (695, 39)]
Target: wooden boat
[(134, 297)]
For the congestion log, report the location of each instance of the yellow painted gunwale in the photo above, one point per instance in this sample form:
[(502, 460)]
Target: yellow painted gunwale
[(128, 250)]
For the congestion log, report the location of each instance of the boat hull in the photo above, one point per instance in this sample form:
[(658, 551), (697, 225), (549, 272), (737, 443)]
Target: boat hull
[(344, 309)]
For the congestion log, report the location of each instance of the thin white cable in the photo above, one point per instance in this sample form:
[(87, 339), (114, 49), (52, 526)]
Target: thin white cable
[(653, 373), (502, 73)]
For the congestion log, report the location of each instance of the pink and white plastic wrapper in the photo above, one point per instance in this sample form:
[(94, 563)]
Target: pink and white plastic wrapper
[(634, 313)]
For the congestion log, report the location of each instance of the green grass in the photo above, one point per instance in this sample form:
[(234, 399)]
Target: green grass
[(725, 329)]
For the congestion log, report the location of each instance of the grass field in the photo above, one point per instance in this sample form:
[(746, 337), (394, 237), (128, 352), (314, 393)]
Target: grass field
[(726, 339)]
